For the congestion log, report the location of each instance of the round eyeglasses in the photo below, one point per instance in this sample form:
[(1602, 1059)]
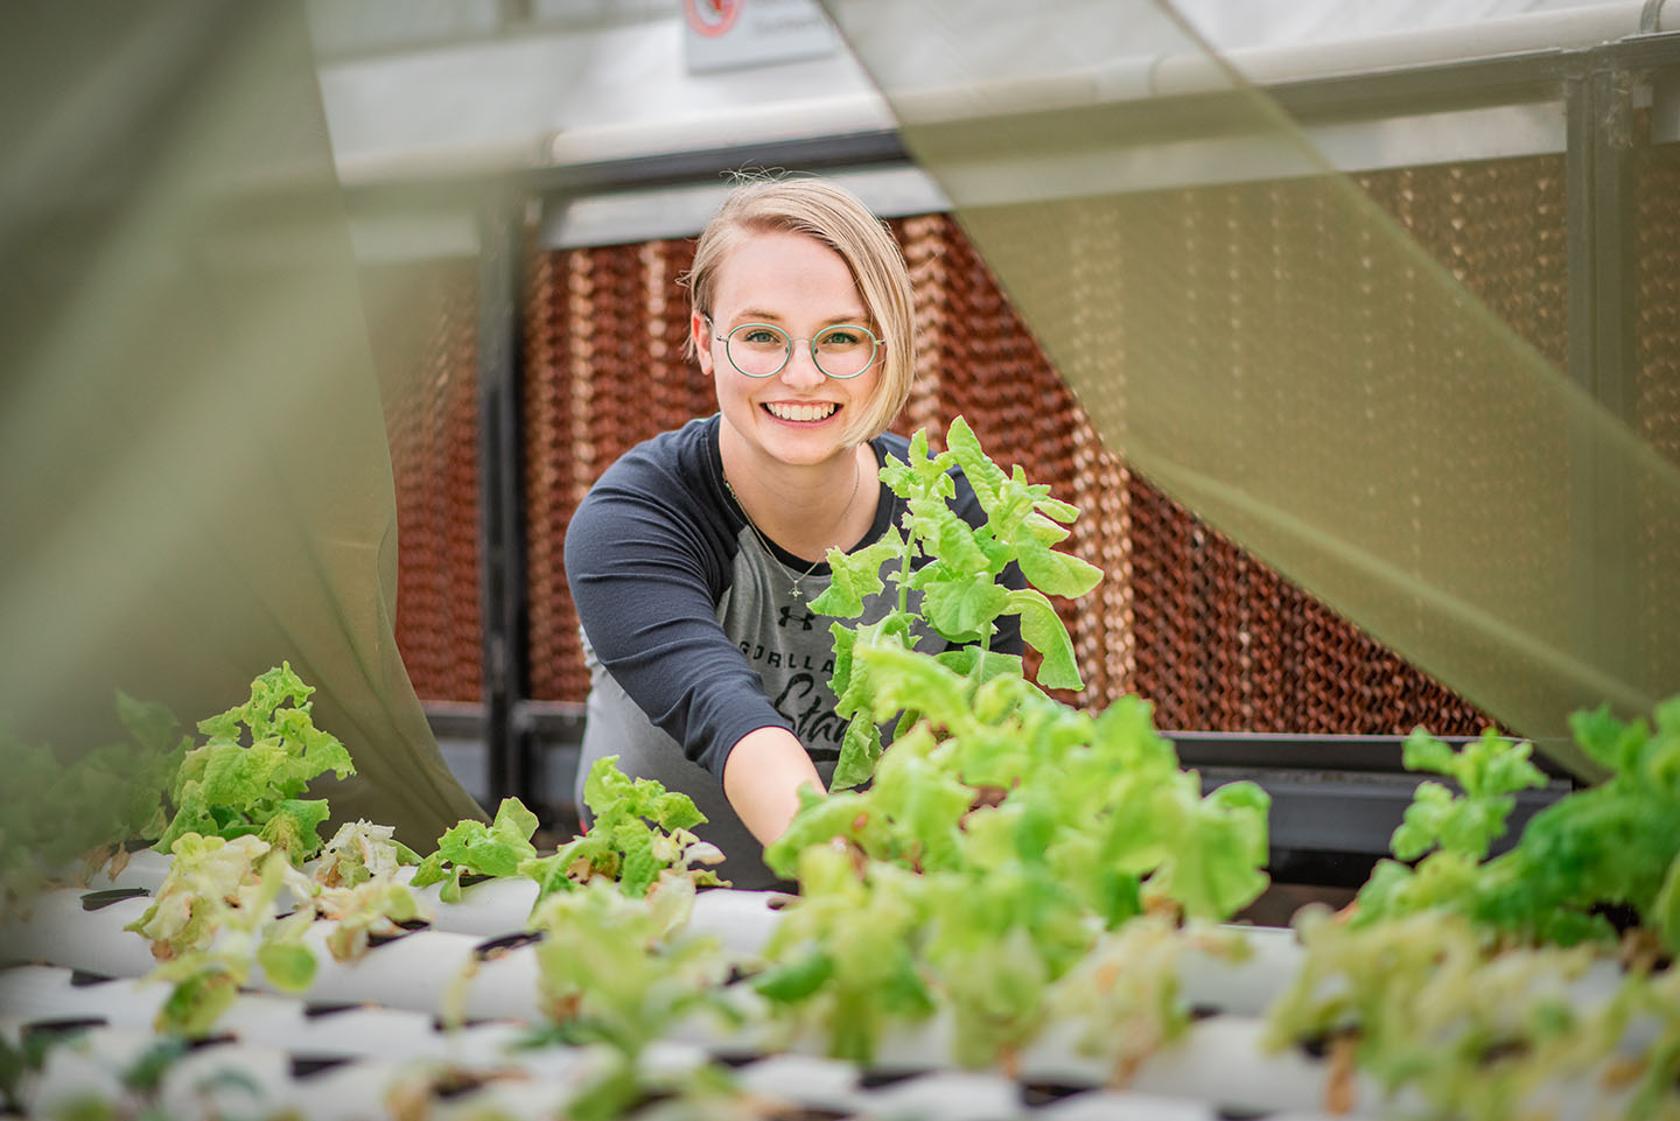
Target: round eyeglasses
[(761, 350)]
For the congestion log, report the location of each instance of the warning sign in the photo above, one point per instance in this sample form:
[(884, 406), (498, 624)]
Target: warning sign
[(728, 34)]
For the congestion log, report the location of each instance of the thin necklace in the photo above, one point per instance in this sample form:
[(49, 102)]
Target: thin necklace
[(794, 592)]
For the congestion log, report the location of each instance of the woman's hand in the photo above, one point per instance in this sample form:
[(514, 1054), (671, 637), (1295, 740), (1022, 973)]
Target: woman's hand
[(762, 777)]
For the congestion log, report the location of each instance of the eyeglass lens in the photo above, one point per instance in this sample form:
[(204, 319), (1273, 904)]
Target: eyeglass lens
[(762, 349)]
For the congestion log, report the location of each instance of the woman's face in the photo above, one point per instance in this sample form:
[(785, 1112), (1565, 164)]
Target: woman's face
[(802, 286)]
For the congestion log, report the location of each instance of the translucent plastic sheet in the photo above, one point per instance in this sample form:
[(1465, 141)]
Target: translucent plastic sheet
[(1257, 337), (194, 478)]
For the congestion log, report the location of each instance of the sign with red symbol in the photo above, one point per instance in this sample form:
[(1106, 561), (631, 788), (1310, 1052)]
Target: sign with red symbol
[(731, 34), (711, 18)]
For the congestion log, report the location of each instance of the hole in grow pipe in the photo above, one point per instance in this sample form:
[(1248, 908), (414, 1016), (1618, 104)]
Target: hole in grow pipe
[(211, 1041), (327, 1008), (1318, 1046), (879, 1079), (438, 1024), (650, 1097), (454, 1082), (62, 1027), (496, 947), (137, 844), (99, 900), (81, 978), (1200, 1012), (409, 926), (1036, 1095), (1228, 1113), (308, 1066)]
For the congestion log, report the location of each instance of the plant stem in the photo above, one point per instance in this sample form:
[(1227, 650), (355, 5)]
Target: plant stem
[(904, 574)]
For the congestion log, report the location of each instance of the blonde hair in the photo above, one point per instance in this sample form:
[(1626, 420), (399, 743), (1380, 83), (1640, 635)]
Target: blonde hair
[(838, 219)]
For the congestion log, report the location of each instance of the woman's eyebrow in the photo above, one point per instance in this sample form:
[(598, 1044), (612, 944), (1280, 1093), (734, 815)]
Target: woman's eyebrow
[(760, 315)]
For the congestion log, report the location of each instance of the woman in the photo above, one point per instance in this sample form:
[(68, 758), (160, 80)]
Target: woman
[(694, 558)]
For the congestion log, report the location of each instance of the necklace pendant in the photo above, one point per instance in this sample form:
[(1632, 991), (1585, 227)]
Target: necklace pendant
[(794, 591)]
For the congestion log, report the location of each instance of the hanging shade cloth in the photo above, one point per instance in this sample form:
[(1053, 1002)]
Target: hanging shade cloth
[(1256, 336), (195, 483)]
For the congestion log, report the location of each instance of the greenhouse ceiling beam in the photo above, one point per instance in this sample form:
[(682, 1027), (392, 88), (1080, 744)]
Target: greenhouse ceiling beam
[(1529, 78)]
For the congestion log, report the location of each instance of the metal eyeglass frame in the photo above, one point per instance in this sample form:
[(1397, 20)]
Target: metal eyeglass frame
[(810, 343)]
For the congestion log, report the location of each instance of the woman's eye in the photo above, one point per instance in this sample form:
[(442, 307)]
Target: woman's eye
[(761, 337), (840, 337)]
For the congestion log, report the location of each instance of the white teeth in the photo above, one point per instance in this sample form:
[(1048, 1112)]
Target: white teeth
[(802, 412)]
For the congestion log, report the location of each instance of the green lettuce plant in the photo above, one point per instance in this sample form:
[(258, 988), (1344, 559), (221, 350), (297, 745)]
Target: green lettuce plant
[(961, 598), (214, 918), (1617, 843), (55, 814), (1424, 1004), (471, 847), (619, 971), (249, 778), (640, 833)]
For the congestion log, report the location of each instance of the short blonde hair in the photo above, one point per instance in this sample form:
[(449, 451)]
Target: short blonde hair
[(838, 219)]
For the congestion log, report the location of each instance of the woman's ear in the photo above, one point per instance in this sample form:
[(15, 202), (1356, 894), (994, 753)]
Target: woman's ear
[(700, 334)]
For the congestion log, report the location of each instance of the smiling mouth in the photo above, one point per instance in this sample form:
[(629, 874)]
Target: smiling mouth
[(802, 414)]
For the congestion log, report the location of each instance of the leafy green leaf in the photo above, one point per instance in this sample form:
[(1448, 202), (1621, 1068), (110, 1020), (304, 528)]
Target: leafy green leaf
[(961, 609), (796, 980), (986, 477), (1042, 629), (856, 576), (289, 965), (1057, 574), (859, 750)]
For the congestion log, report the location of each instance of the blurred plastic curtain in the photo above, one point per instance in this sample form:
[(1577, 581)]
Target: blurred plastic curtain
[(1251, 332), (194, 477)]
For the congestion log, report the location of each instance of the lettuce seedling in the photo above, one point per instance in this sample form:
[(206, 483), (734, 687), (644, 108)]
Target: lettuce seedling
[(214, 918), (471, 847), (1617, 843), (618, 970), (1422, 1003), (250, 777), (960, 596), (54, 814), (361, 852), (844, 960), (640, 833)]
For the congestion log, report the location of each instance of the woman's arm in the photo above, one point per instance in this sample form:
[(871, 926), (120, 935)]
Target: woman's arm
[(762, 777)]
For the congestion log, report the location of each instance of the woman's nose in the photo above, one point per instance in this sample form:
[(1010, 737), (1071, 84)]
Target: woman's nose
[(801, 369)]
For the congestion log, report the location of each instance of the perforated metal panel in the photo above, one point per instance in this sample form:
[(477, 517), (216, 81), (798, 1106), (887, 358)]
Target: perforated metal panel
[(430, 382)]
